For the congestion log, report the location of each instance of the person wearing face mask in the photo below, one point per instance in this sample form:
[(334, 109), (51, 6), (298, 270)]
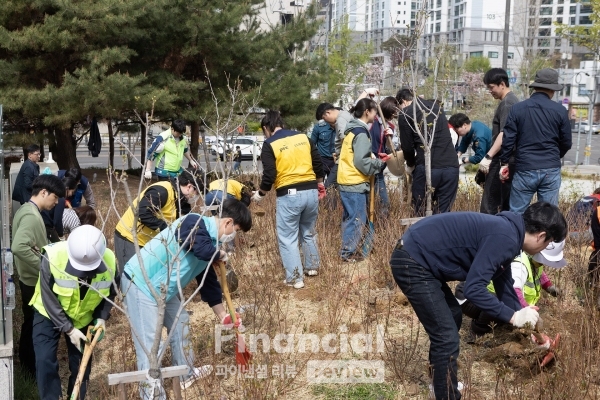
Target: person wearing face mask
[(195, 238), (159, 204)]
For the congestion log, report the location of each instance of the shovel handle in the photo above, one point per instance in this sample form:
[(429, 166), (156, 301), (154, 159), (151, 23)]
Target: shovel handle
[(389, 141), (87, 354), (223, 273)]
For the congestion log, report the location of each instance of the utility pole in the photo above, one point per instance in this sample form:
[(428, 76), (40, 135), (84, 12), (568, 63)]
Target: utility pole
[(506, 31)]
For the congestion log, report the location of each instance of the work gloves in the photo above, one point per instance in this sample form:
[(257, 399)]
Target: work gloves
[(553, 291), (484, 164), (99, 323), (193, 164), (223, 256), (76, 337), (321, 190), (372, 92), (524, 316), (257, 197), (148, 174), (384, 157), (228, 323), (504, 173)]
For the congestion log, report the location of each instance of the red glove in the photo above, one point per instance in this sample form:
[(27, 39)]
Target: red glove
[(321, 190), (504, 173), (384, 157), (227, 322), (388, 132)]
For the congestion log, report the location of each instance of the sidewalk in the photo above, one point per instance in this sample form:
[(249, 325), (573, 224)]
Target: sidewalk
[(582, 169)]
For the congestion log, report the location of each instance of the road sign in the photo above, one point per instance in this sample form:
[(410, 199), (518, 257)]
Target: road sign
[(512, 80), (566, 100)]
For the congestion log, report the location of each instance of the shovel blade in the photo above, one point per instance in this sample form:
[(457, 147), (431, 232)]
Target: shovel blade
[(242, 355)]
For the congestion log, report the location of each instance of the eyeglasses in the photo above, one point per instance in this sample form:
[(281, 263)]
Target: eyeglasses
[(36, 154)]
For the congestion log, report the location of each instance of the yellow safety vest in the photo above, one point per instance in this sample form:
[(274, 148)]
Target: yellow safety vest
[(234, 188), (532, 289), (144, 233), (171, 157), (293, 160), (348, 174), (66, 286)]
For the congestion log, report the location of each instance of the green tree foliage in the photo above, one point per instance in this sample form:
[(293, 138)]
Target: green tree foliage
[(586, 36), (62, 62), (477, 64)]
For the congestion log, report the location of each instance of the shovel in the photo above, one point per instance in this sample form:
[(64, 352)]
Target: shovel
[(242, 355), (87, 354), (370, 237), (540, 339)]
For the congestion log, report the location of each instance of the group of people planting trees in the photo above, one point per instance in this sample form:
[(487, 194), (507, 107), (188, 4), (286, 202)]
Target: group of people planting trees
[(498, 254)]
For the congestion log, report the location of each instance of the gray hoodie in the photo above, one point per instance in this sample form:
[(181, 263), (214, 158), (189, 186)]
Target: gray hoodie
[(362, 158), (340, 130)]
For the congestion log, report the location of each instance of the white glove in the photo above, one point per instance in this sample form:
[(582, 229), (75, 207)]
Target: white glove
[(484, 165), (160, 147), (148, 174), (100, 323), (193, 164), (372, 91), (409, 170), (76, 337), (223, 256), (524, 316), (460, 161), (257, 197)]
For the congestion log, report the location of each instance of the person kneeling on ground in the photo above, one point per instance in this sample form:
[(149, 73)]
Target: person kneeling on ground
[(76, 279), (218, 191), (475, 248), (529, 279), (194, 238)]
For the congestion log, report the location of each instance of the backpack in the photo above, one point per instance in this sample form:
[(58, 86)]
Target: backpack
[(580, 215)]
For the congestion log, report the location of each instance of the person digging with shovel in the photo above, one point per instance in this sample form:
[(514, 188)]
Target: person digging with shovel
[(475, 248), (76, 278)]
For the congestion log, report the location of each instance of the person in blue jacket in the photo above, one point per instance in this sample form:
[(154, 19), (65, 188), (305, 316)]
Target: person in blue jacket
[(473, 133), (172, 259), (323, 136), (475, 248), (82, 191)]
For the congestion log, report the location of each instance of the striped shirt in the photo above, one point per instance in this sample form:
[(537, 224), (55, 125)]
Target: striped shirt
[(70, 220)]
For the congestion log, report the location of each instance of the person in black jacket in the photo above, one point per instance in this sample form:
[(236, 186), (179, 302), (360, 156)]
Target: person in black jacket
[(476, 248), (28, 172), (444, 162), (538, 134)]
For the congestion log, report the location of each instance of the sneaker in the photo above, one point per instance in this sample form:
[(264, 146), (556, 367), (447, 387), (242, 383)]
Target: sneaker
[(459, 386), (296, 285), (312, 272), (197, 373)]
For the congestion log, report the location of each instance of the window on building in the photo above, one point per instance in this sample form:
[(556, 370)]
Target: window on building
[(559, 20), (568, 89), (455, 23), (572, 20), (492, 54), (584, 20), (561, 1), (546, 11), (462, 8), (557, 42), (560, 10), (476, 54), (546, 2), (456, 8), (585, 9), (438, 15), (581, 90), (439, 3), (510, 56), (545, 21), (543, 42), (573, 10), (398, 13), (438, 27), (545, 32)]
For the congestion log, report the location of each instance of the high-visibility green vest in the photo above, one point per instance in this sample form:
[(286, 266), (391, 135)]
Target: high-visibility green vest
[(532, 289), (171, 157), (66, 286)]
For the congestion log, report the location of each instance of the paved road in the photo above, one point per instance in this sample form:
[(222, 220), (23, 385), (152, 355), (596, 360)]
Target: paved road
[(595, 156)]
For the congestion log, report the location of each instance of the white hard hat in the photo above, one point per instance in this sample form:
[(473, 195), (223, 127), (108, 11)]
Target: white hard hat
[(85, 246), (552, 256)]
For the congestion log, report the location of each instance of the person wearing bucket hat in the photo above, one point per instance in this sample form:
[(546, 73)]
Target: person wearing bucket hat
[(538, 134), (529, 279), (77, 277)]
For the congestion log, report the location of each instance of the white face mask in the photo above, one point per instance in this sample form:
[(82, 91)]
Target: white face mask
[(227, 238)]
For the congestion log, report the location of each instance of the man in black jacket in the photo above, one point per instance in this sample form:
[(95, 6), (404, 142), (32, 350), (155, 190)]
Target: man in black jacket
[(538, 133), (444, 162), (28, 172)]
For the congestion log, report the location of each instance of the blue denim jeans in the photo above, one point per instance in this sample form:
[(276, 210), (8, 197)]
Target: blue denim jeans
[(45, 343), (296, 217), (237, 166), (382, 194), (439, 313), (544, 182), (353, 221), (143, 313)]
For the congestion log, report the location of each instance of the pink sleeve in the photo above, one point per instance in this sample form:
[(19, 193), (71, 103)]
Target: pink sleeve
[(545, 281), (521, 298)]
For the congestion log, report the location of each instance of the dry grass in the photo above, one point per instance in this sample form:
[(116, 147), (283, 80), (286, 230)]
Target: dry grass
[(360, 297)]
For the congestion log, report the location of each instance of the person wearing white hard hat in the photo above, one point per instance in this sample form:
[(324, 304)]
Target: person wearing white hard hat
[(529, 281), (77, 277)]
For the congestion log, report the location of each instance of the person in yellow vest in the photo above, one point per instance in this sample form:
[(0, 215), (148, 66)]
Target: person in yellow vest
[(159, 204), (356, 165), (529, 280), (218, 192), (291, 163), (76, 278), (168, 150)]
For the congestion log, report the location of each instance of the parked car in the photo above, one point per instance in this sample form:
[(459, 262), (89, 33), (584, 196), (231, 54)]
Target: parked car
[(247, 146), (585, 128)]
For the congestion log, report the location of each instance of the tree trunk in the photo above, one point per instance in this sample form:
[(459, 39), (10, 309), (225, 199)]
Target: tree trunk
[(205, 149), (111, 144), (65, 154), (143, 135), (428, 189), (194, 139)]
